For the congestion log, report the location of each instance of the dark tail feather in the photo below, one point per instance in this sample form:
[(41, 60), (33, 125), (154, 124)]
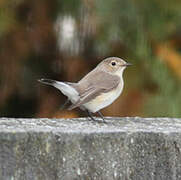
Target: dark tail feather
[(63, 106), (70, 107), (47, 81), (74, 105)]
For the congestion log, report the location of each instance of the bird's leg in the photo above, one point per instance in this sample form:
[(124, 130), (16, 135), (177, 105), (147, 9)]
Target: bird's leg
[(100, 114), (90, 115), (63, 106)]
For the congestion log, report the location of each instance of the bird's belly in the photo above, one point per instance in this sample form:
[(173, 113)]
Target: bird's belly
[(103, 100)]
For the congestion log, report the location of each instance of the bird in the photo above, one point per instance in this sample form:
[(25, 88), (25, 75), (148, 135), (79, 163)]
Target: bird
[(96, 90)]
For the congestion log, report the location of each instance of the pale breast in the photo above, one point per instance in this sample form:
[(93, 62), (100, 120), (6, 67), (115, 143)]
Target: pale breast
[(104, 99)]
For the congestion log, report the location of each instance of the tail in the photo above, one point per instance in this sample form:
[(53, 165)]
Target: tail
[(64, 87), (47, 81)]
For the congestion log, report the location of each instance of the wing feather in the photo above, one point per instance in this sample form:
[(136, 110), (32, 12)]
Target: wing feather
[(93, 85)]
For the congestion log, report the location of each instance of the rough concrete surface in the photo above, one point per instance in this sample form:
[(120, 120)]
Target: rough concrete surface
[(124, 148)]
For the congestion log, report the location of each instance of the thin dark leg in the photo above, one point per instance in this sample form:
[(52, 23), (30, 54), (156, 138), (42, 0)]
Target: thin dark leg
[(63, 106), (100, 114), (90, 115)]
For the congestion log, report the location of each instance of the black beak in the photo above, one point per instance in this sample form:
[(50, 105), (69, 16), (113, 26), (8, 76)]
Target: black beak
[(127, 64)]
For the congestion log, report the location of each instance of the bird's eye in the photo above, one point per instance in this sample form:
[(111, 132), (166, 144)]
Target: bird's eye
[(113, 63)]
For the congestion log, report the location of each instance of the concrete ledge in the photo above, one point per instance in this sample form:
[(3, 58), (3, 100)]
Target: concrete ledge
[(124, 148)]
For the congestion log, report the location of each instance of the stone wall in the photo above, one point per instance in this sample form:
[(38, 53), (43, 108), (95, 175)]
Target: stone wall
[(124, 148)]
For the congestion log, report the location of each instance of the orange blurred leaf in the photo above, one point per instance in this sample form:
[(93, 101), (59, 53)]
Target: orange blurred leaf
[(170, 56)]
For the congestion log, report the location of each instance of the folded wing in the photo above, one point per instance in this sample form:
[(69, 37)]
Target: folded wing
[(94, 85)]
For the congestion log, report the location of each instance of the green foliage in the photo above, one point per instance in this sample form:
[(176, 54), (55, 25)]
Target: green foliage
[(70, 7), (136, 25), (167, 100)]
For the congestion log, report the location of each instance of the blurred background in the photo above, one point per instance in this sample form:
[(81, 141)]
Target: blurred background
[(65, 39)]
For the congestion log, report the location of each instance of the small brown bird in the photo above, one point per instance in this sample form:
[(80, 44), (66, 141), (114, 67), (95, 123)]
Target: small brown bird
[(98, 89)]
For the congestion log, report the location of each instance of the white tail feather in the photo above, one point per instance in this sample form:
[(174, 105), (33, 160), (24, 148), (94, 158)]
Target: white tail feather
[(67, 90)]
